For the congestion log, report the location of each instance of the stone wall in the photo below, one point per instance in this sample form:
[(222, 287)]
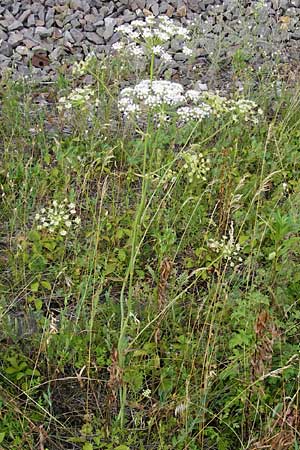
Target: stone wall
[(37, 36)]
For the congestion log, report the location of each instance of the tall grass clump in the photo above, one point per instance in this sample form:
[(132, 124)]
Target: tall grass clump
[(149, 285)]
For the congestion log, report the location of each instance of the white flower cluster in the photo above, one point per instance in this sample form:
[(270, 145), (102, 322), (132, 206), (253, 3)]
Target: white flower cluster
[(247, 109), (142, 38), (217, 102), (188, 113), (170, 97), (227, 248), (196, 165), (148, 95), (82, 67), (83, 98), (58, 218), (239, 109)]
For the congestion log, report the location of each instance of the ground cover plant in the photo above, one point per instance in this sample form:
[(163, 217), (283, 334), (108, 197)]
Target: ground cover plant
[(149, 258)]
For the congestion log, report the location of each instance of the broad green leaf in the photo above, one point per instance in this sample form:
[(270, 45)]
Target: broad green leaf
[(35, 286), (38, 303), (2, 436), (46, 285)]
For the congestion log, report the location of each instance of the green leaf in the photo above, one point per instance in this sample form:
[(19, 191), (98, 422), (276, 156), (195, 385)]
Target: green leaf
[(122, 447), (38, 303), (46, 285), (11, 370), (20, 375), (34, 235), (120, 233), (37, 264), (2, 436), (49, 245), (121, 255), (88, 446), (110, 268), (35, 286)]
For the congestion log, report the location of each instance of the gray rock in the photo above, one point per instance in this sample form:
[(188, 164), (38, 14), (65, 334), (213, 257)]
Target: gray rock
[(109, 28), (15, 25), (68, 38), (76, 4), (163, 7), (89, 27), (25, 14), (31, 20), (40, 23), (16, 8), (15, 39), (104, 11), (77, 35), (44, 32), (22, 50), (155, 9), (128, 16), (94, 37), (3, 35), (141, 4), (35, 7), (5, 62), (8, 16), (90, 18), (296, 34), (99, 23), (29, 43), (176, 45), (180, 57), (56, 54), (200, 86), (6, 49)]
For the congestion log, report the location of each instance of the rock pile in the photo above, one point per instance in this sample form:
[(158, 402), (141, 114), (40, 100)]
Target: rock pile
[(38, 36)]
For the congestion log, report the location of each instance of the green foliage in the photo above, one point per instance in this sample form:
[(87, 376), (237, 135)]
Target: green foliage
[(169, 316)]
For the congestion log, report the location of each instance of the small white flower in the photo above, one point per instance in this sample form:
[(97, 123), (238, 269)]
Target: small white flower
[(118, 46), (146, 393), (166, 57), (63, 233), (187, 51)]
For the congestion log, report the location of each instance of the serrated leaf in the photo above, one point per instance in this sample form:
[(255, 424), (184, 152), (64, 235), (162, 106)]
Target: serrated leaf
[(88, 446)]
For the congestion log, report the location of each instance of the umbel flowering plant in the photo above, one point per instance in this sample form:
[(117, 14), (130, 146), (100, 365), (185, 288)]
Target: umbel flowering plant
[(151, 37), (167, 99), (58, 218)]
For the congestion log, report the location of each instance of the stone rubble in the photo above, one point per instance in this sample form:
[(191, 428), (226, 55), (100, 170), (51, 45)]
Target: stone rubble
[(67, 30)]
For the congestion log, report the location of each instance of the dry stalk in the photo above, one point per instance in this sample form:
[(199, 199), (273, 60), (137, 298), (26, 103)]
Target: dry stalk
[(266, 334)]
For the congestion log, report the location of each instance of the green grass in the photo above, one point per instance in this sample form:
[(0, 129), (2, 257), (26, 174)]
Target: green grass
[(131, 332)]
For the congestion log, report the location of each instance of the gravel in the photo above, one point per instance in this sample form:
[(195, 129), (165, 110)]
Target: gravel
[(70, 29)]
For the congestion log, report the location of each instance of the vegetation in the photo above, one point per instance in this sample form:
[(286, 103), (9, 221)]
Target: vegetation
[(149, 264)]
